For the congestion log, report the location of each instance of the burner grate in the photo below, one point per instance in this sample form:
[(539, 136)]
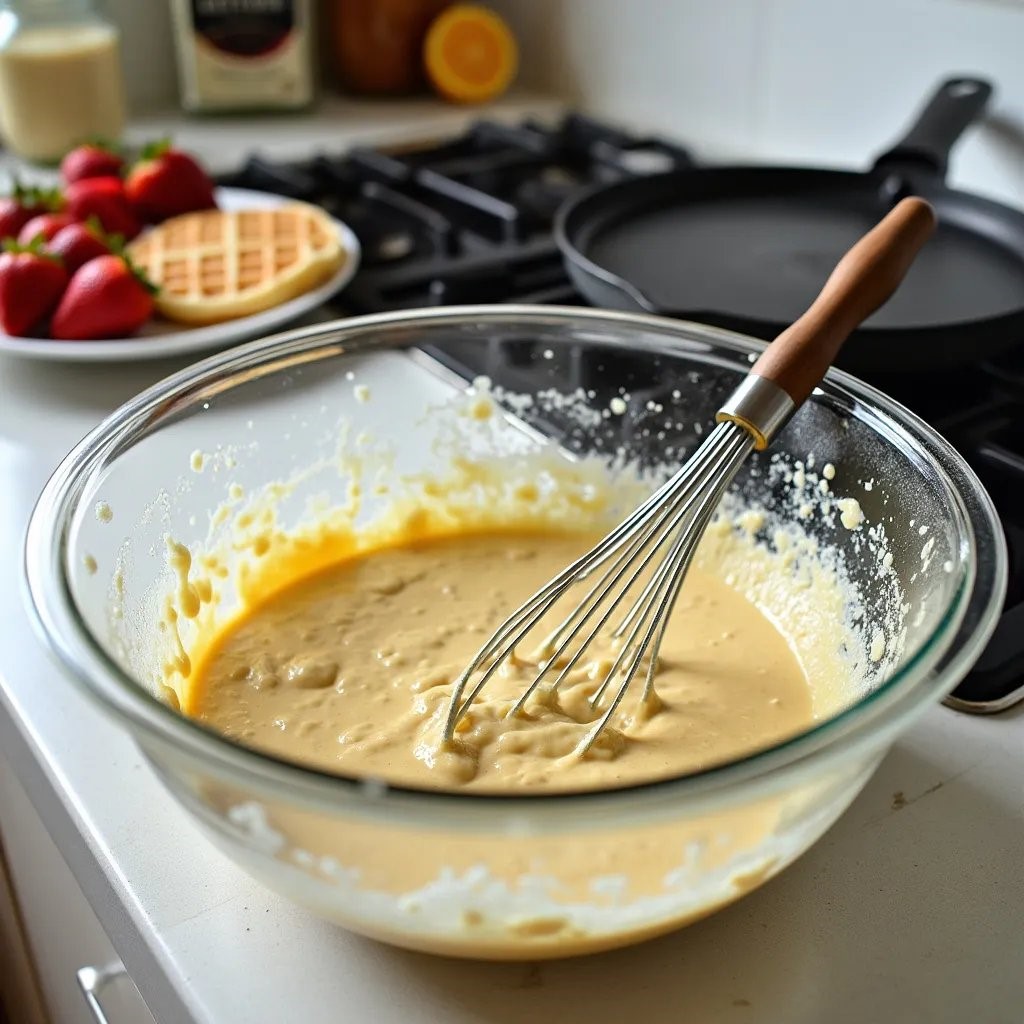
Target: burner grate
[(468, 220)]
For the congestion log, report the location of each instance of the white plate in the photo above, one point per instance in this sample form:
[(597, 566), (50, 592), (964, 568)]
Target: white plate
[(161, 338)]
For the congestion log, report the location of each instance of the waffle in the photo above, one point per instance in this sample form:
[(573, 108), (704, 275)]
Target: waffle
[(217, 265)]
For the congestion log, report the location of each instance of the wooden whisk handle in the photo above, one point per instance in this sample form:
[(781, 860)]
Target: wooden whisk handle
[(862, 281)]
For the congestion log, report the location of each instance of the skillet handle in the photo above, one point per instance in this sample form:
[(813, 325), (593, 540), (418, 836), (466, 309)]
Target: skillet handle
[(954, 107), (794, 363)]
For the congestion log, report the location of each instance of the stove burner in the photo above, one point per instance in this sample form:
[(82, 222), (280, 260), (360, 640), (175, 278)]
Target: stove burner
[(470, 220)]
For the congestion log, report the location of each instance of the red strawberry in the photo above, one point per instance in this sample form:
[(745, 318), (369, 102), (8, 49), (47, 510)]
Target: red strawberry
[(104, 199), (17, 209), (91, 160), (78, 243), (13, 217), (31, 284), (44, 226), (167, 182), (106, 298)]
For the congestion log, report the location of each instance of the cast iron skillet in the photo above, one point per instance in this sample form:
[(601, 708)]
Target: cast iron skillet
[(747, 248)]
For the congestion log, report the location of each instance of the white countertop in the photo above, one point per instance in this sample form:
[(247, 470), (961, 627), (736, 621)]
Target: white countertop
[(910, 909)]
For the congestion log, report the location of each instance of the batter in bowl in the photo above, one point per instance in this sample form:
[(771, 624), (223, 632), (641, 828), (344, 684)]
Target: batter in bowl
[(350, 670), (321, 615)]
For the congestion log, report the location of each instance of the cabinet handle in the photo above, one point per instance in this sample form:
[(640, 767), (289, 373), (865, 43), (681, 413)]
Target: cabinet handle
[(92, 980)]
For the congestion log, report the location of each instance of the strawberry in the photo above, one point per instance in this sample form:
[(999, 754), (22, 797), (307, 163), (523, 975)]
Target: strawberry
[(44, 226), (105, 298), (167, 182), (78, 243), (104, 199), (91, 160), (17, 209), (31, 284)]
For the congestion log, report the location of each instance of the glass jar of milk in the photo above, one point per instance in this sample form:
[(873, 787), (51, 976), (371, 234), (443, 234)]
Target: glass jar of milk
[(60, 77)]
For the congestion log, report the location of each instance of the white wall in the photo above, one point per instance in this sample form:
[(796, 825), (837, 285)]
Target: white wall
[(808, 81)]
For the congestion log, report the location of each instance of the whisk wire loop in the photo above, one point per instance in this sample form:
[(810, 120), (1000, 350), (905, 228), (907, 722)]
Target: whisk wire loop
[(630, 548)]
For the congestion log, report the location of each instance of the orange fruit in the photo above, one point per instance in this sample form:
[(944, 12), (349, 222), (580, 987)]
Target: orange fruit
[(470, 54)]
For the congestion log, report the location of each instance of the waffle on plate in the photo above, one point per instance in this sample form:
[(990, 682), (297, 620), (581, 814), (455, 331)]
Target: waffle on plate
[(218, 265)]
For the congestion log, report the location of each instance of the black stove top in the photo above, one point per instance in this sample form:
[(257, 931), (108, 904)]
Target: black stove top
[(466, 220), (469, 220)]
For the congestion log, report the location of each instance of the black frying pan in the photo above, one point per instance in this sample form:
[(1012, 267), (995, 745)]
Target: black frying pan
[(747, 248)]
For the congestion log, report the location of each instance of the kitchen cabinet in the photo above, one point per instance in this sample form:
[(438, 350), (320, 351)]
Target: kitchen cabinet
[(20, 995), (48, 931)]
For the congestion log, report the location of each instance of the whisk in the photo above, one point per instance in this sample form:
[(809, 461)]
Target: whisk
[(661, 536)]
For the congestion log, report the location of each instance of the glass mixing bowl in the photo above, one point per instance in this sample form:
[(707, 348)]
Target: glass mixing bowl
[(515, 876)]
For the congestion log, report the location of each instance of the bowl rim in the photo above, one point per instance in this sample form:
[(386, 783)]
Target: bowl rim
[(866, 725)]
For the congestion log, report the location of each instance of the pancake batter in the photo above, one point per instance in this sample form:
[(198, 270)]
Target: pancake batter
[(350, 670)]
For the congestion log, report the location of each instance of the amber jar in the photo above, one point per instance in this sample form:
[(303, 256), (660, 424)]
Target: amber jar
[(377, 45)]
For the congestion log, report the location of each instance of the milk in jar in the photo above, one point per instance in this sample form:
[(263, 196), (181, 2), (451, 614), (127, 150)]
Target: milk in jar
[(60, 77)]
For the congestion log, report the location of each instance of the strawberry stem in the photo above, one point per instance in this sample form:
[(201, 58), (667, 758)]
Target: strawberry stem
[(139, 274), (33, 197), (114, 242), (107, 145), (155, 148), (36, 247)]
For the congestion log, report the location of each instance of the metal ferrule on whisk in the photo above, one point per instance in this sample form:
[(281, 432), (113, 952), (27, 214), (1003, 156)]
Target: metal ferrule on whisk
[(760, 406)]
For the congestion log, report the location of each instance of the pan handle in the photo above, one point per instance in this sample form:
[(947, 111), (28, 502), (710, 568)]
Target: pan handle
[(956, 104)]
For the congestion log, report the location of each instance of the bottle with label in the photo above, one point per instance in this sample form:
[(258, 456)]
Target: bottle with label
[(244, 54), (60, 77)]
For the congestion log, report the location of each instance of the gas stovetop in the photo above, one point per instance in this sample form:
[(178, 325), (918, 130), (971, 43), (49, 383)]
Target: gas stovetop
[(469, 220), (466, 220)]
